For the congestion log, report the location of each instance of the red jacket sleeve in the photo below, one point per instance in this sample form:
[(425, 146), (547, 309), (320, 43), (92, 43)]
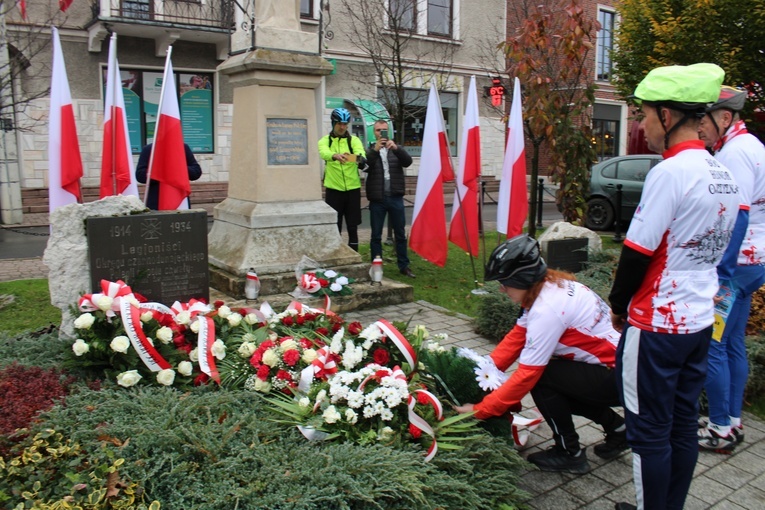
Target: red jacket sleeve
[(499, 401), (508, 350)]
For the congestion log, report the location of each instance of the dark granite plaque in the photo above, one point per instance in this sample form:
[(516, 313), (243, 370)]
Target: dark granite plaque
[(567, 254), (287, 141), (162, 255)]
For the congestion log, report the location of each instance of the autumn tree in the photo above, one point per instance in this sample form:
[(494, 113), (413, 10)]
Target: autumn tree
[(549, 55), (682, 32)]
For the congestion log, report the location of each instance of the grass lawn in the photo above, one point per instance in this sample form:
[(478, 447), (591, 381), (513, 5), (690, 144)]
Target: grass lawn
[(25, 306)]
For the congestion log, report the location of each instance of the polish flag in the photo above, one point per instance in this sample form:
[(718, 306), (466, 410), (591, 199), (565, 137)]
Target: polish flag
[(64, 161), (428, 234), (513, 204), (64, 4), (117, 172), (23, 9), (463, 230), (167, 163)]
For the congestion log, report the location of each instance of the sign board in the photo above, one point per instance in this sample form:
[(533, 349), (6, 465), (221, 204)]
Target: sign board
[(287, 141), (161, 255), (567, 254)]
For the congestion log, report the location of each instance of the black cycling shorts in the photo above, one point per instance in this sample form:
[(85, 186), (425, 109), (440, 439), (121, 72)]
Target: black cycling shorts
[(346, 203)]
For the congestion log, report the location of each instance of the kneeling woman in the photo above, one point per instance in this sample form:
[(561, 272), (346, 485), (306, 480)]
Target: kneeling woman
[(566, 349)]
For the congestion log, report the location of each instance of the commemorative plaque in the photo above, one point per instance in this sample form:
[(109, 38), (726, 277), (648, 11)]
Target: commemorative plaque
[(567, 254), (161, 255), (287, 141)]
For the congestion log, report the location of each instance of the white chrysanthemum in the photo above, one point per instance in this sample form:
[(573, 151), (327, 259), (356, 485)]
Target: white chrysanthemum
[(270, 358), (166, 377), (331, 415), (352, 355), (351, 416), (251, 319), (469, 354), (355, 399), (369, 412), (386, 415), (84, 321), (335, 287), (288, 344), (304, 402), (224, 311), (185, 368), (246, 349), (330, 273), (371, 332), (342, 280), (183, 317), (80, 347), (432, 346), (165, 335), (336, 347), (367, 344), (234, 320)]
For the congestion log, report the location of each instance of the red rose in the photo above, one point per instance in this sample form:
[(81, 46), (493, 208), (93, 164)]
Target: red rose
[(243, 311), (201, 379), (218, 303), (287, 321), (263, 372), (291, 357), (381, 356), (414, 431), (187, 348), (310, 316), (354, 328), (300, 320), (179, 340), (336, 327), (324, 283), (322, 331)]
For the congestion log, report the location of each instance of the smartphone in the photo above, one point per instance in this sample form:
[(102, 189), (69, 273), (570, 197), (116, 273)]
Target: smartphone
[(384, 134)]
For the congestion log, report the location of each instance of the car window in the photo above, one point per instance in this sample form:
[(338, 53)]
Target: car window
[(609, 171), (633, 169)]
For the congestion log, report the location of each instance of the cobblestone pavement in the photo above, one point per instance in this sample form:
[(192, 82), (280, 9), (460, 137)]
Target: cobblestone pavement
[(730, 482)]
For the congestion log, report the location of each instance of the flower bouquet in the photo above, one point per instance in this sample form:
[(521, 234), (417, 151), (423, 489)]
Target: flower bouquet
[(314, 282)]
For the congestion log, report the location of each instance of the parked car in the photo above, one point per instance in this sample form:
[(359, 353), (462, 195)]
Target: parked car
[(630, 172)]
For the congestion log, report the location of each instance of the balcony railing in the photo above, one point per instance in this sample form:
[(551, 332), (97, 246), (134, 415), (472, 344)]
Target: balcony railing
[(216, 14)]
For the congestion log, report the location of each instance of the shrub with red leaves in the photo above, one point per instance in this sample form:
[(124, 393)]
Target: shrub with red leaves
[(25, 391)]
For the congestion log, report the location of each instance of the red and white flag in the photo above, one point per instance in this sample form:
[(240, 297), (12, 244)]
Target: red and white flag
[(428, 233), (167, 163), (117, 172), (463, 229), (23, 9), (64, 4), (64, 160), (513, 204)]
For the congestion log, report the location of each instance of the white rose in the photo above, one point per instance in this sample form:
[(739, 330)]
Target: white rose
[(129, 378), (120, 344), (166, 377), (183, 317), (219, 349), (80, 347), (270, 358), (185, 368), (246, 349), (195, 327), (234, 320), (331, 415), (224, 312), (304, 402), (309, 355), (342, 280), (84, 321), (146, 316), (288, 344), (251, 319), (104, 302), (194, 355), (335, 287), (165, 335), (330, 273), (262, 386)]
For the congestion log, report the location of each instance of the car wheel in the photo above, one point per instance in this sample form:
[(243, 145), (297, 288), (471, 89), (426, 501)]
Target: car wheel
[(600, 214)]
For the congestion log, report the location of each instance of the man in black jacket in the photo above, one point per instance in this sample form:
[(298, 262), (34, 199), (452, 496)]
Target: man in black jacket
[(386, 187), (142, 168)]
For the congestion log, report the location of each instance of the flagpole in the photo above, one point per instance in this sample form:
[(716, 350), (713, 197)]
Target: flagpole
[(114, 79), (156, 125)]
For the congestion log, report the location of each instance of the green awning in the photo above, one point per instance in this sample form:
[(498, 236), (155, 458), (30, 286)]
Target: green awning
[(370, 111)]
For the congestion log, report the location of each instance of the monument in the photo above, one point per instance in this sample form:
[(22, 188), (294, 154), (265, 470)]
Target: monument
[(274, 213)]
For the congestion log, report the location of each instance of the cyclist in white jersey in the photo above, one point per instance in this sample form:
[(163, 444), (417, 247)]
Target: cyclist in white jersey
[(741, 270), (565, 347), (662, 296)]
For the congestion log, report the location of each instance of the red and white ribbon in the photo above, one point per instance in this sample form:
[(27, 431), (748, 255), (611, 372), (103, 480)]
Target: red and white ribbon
[(114, 290), (399, 341), (131, 320), (309, 283), (324, 365), (204, 348), (423, 425), (523, 426), (194, 307)]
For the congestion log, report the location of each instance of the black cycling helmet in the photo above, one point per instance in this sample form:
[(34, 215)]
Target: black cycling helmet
[(731, 98), (340, 115), (516, 263)]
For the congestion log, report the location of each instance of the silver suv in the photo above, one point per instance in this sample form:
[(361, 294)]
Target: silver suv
[(630, 172)]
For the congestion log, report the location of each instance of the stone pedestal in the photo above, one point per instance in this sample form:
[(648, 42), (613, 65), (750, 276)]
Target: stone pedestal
[(274, 213)]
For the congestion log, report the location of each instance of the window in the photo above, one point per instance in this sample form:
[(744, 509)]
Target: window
[(605, 44), (606, 129), (306, 9), (402, 15), (440, 17), (634, 169), (414, 118)]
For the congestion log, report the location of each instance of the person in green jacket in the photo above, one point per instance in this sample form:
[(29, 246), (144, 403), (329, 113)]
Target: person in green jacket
[(344, 154)]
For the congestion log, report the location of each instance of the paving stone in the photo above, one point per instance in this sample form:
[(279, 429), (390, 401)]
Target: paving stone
[(600, 504), (730, 475), (709, 490), (615, 472), (694, 503), (588, 488), (558, 499), (536, 482), (751, 497), (727, 505)]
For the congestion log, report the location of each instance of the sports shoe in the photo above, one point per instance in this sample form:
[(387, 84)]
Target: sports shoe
[(558, 459), (711, 441), (613, 446), (738, 433)]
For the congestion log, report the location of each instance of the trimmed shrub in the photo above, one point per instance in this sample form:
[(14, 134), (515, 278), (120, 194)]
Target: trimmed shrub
[(496, 313)]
